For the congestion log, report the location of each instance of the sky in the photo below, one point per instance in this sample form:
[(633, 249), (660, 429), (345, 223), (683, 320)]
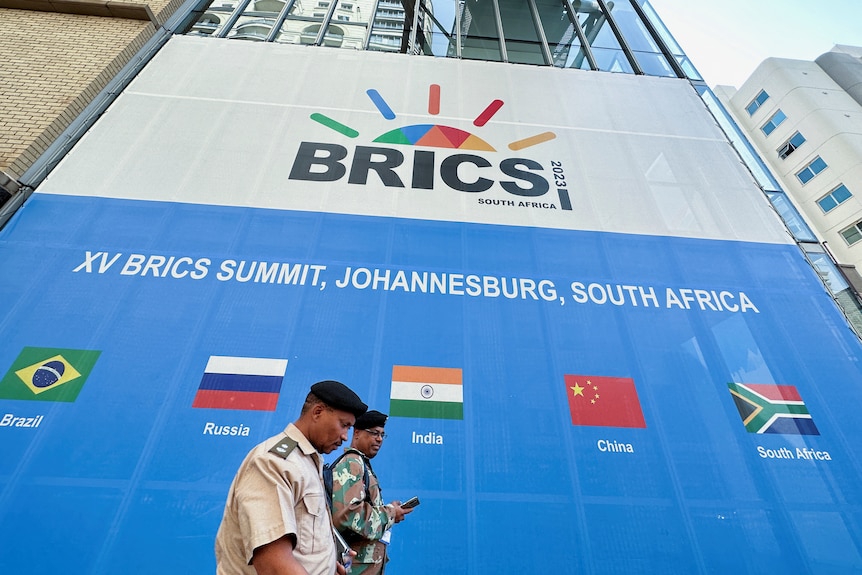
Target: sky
[(726, 40)]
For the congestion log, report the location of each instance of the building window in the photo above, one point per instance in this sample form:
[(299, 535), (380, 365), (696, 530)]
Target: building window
[(816, 166), (852, 234), (773, 122), (794, 142), (757, 103), (837, 196)]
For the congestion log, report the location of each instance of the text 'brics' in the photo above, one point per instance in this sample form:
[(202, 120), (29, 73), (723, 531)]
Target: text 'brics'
[(414, 281)]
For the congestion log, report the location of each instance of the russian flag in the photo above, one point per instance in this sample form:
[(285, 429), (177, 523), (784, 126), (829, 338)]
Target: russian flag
[(249, 383)]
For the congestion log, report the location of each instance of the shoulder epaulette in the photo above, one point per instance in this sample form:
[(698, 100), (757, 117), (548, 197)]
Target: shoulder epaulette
[(284, 447)]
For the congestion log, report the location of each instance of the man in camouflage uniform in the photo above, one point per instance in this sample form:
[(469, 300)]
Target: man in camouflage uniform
[(358, 511)]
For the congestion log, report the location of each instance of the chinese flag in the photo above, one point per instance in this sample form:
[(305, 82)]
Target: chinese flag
[(603, 401)]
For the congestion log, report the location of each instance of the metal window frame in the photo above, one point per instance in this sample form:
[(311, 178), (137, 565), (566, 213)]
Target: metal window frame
[(367, 41), (586, 48), (858, 227), (324, 25), (540, 33), (755, 101), (809, 169), (413, 8), (771, 122), (838, 187), (233, 18), (668, 55), (504, 54), (442, 29), (832, 196), (823, 208), (624, 46), (789, 146), (279, 20)]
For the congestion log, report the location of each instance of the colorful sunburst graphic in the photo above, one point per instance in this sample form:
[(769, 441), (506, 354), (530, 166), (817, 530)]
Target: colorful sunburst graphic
[(433, 135)]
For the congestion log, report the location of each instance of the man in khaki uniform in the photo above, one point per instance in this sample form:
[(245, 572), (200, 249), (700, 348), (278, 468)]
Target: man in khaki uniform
[(276, 519)]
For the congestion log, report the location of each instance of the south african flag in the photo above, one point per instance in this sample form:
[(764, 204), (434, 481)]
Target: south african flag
[(767, 408)]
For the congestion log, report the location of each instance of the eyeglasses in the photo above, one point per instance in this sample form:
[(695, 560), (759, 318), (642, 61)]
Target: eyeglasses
[(376, 434)]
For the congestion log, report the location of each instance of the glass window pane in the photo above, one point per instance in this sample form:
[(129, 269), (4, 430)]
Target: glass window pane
[(566, 50), (827, 203), (212, 22), (522, 41), (841, 193), (669, 42), (827, 270), (647, 53), (791, 217), (479, 37), (350, 21), (852, 235), (257, 20), (606, 49), (773, 122), (437, 33), (805, 176), (818, 165), (302, 25)]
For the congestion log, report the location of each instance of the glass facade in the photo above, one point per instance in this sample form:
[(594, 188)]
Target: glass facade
[(623, 36)]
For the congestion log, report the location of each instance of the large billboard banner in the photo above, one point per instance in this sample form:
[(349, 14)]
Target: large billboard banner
[(600, 350)]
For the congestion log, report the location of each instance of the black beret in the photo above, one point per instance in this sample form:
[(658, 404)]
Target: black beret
[(336, 394), (369, 419)]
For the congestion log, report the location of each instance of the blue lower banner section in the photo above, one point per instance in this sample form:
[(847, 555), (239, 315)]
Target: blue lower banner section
[(630, 404)]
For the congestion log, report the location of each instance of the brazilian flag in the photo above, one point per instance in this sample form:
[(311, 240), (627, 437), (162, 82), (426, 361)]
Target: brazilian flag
[(48, 374)]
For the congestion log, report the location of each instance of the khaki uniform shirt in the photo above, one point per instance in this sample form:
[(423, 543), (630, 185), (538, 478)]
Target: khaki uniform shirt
[(271, 497)]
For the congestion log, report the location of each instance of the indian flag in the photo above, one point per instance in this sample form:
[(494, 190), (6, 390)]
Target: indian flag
[(432, 392)]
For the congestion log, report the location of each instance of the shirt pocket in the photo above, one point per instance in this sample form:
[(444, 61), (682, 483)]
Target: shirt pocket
[(313, 523)]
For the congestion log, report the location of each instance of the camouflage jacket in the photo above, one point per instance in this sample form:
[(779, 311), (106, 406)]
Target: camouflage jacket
[(362, 519)]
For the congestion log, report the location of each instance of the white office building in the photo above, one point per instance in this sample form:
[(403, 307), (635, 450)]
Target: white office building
[(805, 119)]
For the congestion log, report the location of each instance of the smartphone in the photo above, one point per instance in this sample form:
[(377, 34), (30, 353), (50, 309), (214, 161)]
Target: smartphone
[(410, 503), (343, 551)]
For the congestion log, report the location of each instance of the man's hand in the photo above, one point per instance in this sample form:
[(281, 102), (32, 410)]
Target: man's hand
[(400, 512), (341, 569)]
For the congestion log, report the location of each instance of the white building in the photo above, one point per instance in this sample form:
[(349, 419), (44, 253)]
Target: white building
[(805, 118)]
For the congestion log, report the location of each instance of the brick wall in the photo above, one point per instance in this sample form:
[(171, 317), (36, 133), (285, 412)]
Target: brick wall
[(52, 65)]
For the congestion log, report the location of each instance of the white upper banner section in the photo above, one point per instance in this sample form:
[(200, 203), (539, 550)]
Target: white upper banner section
[(235, 123), (246, 365)]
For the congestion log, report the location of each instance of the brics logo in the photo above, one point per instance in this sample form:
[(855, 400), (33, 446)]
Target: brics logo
[(461, 171), (48, 374)]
